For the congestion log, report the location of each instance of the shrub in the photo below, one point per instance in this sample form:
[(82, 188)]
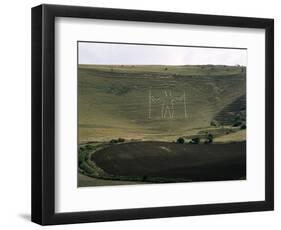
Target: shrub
[(82, 157), (243, 126), (120, 139), (210, 136), (89, 147), (84, 166), (195, 140), (237, 123), (238, 120), (113, 141), (180, 140), (209, 139)]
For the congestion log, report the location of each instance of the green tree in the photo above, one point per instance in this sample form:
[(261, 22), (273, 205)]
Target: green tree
[(209, 138), (195, 140), (180, 140), (120, 139)]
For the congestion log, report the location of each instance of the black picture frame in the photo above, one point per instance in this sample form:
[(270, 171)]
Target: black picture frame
[(43, 114)]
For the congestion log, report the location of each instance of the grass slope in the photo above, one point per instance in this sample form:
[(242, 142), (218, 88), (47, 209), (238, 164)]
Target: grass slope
[(114, 100)]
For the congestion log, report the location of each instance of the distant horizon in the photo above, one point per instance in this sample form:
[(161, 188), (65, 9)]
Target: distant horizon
[(96, 53)]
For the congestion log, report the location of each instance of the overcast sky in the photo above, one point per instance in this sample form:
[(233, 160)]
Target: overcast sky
[(124, 54)]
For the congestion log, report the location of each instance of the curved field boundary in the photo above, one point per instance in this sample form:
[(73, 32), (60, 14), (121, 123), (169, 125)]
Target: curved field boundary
[(89, 168), (231, 166)]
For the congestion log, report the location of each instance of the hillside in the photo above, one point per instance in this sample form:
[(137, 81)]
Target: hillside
[(232, 114), (134, 101)]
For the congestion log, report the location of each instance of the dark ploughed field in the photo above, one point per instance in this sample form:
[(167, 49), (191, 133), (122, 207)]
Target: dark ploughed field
[(190, 162)]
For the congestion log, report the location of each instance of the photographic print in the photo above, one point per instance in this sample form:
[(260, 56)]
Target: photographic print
[(170, 113), (160, 113)]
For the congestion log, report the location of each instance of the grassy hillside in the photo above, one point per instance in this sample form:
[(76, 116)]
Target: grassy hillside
[(114, 100), (234, 113)]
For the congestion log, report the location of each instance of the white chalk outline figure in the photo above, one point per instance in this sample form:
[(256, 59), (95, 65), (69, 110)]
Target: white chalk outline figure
[(167, 105), (167, 101)]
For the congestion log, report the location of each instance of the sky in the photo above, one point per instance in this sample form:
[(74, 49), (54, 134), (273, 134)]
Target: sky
[(131, 54)]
